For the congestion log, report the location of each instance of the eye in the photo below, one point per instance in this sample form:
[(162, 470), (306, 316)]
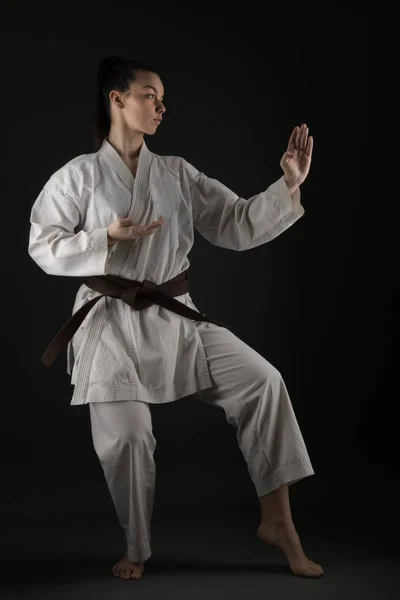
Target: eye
[(150, 96)]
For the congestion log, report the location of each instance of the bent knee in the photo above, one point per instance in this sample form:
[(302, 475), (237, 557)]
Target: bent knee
[(267, 375)]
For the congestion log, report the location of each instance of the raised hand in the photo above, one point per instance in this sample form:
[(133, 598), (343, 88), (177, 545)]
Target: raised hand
[(296, 160)]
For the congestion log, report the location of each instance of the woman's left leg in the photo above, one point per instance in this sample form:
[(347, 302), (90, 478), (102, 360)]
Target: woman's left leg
[(256, 402)]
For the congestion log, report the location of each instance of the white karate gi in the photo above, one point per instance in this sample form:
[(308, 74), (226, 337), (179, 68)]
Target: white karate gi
[(122, 359), (153, 355)]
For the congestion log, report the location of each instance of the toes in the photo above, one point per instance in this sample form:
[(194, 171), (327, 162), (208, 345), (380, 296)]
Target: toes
[(310, 570), (136, 572), (135, 575), (318, 568), (122, 573), (127, 573), (316, 572)]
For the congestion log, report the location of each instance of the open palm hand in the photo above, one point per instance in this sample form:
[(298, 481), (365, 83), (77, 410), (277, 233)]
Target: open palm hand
[(296, 160)]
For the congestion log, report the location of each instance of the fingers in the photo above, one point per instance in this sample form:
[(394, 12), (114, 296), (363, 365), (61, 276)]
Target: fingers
[(152, 228), (292, 139), (154, 225), (127, 222), (125, 229), (310, 145), (145, 230), (159, 221), (300, 140), (304, 137), (300, 137)]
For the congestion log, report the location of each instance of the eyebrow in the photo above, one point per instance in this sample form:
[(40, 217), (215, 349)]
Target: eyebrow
[(153, 88)]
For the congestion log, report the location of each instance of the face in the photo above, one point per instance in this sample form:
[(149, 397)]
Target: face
[(141, 108)]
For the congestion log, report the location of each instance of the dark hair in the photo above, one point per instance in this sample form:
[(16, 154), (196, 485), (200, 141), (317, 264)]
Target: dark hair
[(113, 73)]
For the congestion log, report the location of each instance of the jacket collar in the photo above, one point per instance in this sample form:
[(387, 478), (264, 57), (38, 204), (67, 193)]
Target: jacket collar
[(115, 161)]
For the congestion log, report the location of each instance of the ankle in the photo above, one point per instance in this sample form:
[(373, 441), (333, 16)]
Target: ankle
[(276, 520)]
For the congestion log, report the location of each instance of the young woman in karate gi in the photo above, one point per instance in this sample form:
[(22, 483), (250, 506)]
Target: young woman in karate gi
[(126, 211)]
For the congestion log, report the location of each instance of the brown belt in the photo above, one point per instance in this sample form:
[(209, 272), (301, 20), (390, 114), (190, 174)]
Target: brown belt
[(137, 294)]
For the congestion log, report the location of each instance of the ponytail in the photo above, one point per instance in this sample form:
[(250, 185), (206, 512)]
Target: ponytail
[(102, 121)]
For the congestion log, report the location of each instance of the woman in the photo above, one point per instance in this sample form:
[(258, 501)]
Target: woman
[(126, 214)]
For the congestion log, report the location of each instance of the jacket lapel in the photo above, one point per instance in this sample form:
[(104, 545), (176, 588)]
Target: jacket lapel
[(117, 164), (140, 184), (140, 191)]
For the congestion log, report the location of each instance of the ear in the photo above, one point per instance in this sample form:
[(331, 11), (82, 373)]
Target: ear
[(117, 98)]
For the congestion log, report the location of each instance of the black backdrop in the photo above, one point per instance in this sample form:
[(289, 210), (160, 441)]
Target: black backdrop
[(323, 307)]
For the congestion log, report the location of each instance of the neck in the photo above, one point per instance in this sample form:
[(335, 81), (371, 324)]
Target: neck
[(127, 144)]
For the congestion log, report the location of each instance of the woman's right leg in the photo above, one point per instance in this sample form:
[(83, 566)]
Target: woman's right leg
[(124, 443)]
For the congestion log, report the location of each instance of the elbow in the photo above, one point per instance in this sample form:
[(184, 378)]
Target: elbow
[(42, 264), (41, 259)]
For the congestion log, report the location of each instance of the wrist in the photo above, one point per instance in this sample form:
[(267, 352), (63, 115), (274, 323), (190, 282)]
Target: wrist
[(109, 239), (291, 186)]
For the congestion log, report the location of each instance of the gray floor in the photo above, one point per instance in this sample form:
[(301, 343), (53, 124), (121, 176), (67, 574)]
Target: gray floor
[(60, 537), (196, 557)]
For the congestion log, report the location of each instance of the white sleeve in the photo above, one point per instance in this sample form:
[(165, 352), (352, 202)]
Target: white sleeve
[(54, 245), (226, 220)]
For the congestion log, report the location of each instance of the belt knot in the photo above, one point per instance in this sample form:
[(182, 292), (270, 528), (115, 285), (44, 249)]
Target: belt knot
[(135, 296)]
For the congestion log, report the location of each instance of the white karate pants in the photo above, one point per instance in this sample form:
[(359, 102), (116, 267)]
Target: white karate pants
[(255, 400)]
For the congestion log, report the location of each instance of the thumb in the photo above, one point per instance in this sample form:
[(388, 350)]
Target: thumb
[(126, 221), (285, 160), (287, 157)]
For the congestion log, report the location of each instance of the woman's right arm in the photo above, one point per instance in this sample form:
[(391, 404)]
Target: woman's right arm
[(55, 247)]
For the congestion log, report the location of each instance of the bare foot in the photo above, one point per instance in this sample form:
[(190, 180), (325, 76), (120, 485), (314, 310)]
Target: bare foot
[(126, 569), (284, 536)]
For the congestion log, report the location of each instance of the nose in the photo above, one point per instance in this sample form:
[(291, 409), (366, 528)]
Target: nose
[(161, 108)]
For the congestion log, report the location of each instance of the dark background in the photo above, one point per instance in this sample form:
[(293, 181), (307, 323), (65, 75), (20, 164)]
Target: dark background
[(323, 308)]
